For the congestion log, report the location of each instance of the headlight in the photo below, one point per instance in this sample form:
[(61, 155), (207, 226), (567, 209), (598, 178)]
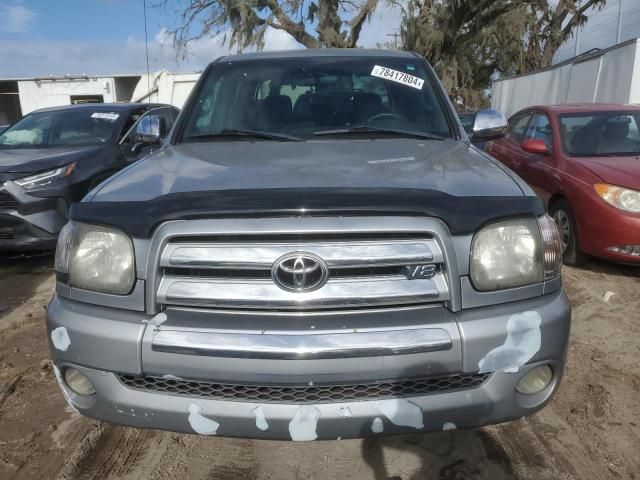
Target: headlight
[(43, 179), (96, 258), (507, 254), (623, 199)]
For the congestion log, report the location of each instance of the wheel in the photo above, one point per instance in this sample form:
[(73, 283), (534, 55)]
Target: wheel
[(562, 214)]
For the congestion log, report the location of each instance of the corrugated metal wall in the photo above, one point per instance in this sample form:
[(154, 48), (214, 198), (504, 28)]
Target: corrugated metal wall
[(611, 77)]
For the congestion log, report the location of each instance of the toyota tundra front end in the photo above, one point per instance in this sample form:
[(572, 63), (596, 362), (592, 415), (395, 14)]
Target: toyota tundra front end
[(319, 253)]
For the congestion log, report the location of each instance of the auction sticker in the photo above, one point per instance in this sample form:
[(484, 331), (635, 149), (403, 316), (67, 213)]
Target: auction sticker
[(398, 77), (111, 116)]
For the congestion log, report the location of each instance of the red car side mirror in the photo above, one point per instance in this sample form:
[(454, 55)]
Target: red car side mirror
[(535, 145)]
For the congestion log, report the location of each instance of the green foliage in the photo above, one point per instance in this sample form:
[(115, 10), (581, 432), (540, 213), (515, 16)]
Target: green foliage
[(467, 41)]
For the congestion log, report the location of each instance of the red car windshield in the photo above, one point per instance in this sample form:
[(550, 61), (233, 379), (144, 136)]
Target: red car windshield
[(601, 134)]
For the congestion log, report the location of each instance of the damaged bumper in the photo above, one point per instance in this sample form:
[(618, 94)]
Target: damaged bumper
[(27, 222), (497, 345)]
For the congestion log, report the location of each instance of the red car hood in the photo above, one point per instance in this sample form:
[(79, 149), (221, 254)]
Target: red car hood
[(622, 171)]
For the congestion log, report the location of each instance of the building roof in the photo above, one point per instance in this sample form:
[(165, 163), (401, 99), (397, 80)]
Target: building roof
[(318, 52)]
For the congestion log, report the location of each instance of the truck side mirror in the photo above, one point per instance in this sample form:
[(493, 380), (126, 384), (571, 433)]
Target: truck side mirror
[(489, 124)]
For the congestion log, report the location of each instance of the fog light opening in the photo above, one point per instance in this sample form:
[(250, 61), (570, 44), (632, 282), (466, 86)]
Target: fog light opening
[(77, 382), (535, 380), (632, 250)]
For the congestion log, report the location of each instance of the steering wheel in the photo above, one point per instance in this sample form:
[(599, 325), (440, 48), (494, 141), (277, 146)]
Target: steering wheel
[(381, 116)]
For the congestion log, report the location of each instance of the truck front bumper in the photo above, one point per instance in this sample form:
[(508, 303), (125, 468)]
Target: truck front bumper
[(107, 345)]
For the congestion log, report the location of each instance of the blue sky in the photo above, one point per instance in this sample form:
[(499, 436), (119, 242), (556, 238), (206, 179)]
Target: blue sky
[(82, 20), (43, 37)]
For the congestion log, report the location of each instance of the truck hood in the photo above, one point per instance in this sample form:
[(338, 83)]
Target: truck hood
[(449, 166), (621, 171), (28, 160)]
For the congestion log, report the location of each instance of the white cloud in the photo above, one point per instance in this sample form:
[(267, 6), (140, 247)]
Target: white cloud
[(15, 18)]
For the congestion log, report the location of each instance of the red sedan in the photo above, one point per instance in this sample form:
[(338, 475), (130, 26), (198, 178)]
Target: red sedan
[(584, 162)]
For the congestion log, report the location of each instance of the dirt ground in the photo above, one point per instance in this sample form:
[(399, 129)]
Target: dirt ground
[(589, 431)]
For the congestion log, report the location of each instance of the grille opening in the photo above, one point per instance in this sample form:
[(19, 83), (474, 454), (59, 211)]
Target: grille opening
[(258, 274), (304, 393)]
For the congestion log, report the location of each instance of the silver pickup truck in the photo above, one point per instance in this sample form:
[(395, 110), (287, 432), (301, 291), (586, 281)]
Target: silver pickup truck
[(317, 252)]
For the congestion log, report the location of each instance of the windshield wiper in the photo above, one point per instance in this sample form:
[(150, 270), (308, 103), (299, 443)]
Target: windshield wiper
[(228, 132), (377, 130)]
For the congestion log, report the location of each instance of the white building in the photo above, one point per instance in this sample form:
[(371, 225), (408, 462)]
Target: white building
[(19, 96)]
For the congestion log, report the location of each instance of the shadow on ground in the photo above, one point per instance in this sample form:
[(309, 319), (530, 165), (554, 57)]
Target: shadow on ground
[(20, 274)]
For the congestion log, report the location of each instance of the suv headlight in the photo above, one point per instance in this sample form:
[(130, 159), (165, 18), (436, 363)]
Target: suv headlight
[(43, 179), (96, 258), (514, 253)]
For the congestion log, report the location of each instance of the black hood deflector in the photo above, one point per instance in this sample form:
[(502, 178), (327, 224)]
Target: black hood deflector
[(463, 215)]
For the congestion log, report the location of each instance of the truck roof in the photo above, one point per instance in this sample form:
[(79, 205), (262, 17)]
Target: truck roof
[(318, 52)]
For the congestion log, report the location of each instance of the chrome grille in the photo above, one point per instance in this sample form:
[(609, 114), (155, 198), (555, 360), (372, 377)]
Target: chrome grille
[(372, 272), (306, 393)]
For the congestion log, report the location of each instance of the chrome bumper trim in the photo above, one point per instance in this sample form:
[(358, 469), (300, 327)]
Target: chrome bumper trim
[(293, 346)]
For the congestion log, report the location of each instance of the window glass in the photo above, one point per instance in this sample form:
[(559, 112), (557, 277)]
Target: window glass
[(517, 127), (81, 126), (131, 120), (302, 96), (601, 133), (540, 128)]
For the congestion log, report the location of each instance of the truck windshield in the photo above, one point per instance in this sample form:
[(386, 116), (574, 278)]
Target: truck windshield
[(61, 128), (316, 97), (601, 134)]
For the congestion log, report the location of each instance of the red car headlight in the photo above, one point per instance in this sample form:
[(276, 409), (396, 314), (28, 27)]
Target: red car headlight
[(621, 198)]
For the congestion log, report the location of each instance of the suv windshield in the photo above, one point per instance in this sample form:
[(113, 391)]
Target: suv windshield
[(61, 128), (597, 134), (319, 97)]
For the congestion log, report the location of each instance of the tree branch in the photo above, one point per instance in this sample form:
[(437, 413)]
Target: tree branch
[(365, 12)]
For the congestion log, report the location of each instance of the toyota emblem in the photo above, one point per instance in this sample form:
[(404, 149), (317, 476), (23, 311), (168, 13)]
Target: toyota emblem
[(300, 272)]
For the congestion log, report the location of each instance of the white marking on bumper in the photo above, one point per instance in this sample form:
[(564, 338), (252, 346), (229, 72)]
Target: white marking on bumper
[(345, 412), (377, 426), (522, 343), (401, 412), (60, 339), (200, 423), (302, 426), (261, 419)]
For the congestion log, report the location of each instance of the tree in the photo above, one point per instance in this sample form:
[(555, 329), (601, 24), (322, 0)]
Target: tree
[(313, 23), (551, 26), (469, 42), (466, 41)]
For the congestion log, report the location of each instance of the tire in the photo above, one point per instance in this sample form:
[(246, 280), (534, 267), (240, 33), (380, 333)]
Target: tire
[(562, 214)]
